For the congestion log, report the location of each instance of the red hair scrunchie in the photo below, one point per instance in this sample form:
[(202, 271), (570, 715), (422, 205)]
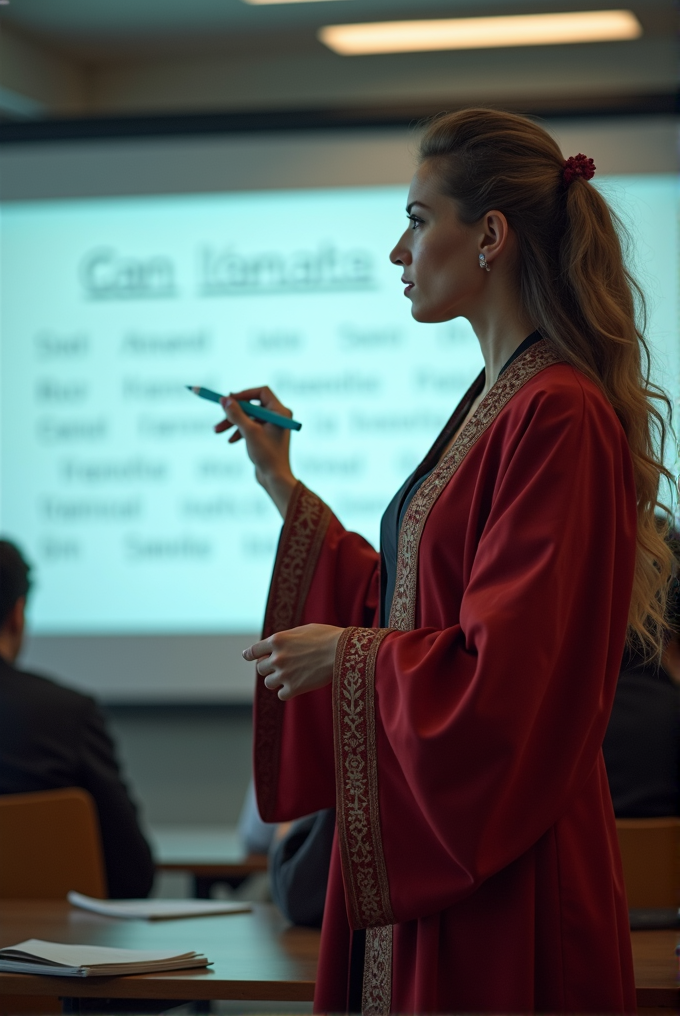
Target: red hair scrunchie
[(578, 166)]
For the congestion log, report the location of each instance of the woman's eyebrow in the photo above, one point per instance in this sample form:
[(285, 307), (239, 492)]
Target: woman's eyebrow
[(413, 204)]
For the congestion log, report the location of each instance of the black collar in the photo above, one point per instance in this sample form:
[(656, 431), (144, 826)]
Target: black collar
[(530, 340)]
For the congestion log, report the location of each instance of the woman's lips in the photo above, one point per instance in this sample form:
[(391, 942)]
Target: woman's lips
[(408, 286)]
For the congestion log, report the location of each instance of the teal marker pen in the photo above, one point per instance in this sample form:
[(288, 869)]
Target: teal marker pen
[(257, 412)]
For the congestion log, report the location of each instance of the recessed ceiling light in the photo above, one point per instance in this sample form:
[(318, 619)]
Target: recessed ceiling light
[(480, 33)]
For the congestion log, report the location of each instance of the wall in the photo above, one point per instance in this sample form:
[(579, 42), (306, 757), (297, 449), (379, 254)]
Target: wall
[(36, 80), (186, 765), (290, 79)]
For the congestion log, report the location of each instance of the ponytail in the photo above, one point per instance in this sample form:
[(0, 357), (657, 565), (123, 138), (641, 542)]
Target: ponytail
[(574, 284)]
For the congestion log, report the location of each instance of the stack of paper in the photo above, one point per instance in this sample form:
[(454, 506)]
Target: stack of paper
[(56, 959), (156, 910)]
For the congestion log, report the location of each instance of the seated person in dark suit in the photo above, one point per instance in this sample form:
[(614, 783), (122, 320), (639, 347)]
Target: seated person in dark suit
[(255, 835), (642, 744), (52, 737), (299, 859)]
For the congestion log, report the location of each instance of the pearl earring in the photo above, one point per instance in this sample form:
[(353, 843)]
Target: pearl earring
[(482, 262)]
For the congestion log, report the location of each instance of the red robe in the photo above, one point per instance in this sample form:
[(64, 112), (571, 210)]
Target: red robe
[(461, 746)]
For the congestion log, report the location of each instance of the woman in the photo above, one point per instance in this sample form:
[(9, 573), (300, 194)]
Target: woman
[(450, 695)]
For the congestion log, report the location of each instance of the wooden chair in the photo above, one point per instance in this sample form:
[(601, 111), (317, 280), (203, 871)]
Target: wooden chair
[(650, 851), (49, 844)]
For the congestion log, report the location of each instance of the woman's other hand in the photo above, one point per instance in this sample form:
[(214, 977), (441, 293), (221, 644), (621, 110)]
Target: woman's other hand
[(296, 661), (268, 445)]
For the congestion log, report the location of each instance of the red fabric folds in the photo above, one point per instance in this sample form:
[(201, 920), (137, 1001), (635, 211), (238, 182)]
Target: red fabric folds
[(474, 819)]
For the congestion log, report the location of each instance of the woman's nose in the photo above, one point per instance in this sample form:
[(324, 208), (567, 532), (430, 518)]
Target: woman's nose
[(400, 255)]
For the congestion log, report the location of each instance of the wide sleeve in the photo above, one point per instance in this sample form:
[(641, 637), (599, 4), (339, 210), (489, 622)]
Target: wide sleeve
[(326, 575), (458, 748)]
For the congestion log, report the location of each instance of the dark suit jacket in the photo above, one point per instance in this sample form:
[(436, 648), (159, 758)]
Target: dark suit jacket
[(298, 868), (52, 737), (642, 744)]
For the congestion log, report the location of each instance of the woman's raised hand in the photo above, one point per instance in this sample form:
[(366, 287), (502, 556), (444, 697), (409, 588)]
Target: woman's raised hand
[(268, 445), (296, 661)]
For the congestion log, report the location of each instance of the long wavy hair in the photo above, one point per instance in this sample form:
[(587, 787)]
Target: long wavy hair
[(576, 287)]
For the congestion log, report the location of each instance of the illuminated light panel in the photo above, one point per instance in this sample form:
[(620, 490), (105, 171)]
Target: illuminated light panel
[(480, 33)]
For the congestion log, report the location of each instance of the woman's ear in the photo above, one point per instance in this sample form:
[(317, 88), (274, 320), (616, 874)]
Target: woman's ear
[(495, 235)]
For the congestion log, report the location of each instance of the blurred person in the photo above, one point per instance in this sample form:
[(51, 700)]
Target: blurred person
[(642, 745), (299, 859), (255, 835), (449, 695), (53, 737)]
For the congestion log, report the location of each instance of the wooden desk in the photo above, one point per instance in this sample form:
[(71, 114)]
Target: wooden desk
[(256, 956), (209, 854), (656, 969)]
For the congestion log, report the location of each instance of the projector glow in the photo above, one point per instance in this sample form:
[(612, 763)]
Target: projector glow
[(480, 33)]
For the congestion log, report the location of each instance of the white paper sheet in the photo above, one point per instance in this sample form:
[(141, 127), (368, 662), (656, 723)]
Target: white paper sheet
[(156, 910)]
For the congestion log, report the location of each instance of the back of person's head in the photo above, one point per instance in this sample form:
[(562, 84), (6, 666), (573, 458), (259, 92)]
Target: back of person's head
[(577, 290), (14, 578)]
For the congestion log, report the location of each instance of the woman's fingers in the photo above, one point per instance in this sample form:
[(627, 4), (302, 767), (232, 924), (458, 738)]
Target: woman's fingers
[(265, 667), (296, 661), (267, 446), (234, 417), (257, 651), (273, 681), (268, 401), (280, 686), (223, 425), (265, 397), (235, 414)]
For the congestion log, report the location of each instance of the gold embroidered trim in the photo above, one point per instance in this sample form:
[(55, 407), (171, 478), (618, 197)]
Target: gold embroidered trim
[(376, 995), (301, 540), (521, 370), (302, 536), (358, 811), (354, 692)]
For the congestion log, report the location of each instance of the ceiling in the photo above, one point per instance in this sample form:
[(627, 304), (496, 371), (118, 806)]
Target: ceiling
[(137, 58), (95, 31)]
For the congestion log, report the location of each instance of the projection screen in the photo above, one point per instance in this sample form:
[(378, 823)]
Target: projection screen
[(131, 269)]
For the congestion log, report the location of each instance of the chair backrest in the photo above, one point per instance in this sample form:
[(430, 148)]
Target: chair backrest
[(650, 851), (49, 844)]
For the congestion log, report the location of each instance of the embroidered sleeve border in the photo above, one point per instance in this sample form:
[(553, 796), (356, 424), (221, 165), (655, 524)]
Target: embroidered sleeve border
[(358, 813), (302, 536)]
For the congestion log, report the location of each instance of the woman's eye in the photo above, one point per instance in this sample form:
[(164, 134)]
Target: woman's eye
[(414, 220)]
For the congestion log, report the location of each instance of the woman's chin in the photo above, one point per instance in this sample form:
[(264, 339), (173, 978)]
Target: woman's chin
[(419, 312), (426, 315)]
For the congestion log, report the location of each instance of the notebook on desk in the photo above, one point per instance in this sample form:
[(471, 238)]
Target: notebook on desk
[(59, 960)]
